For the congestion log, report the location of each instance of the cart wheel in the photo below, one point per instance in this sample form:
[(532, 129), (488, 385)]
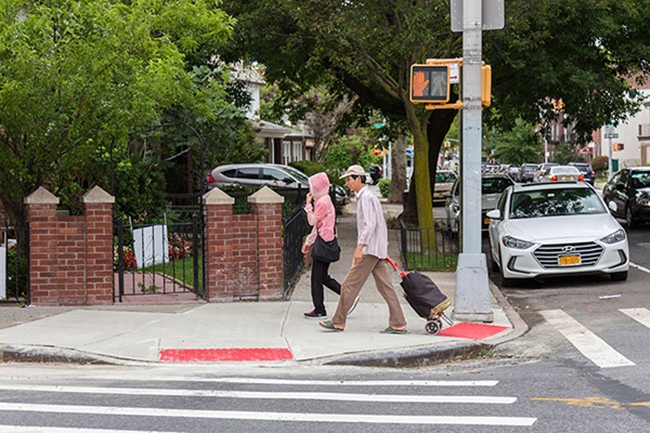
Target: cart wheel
[(433, 326)]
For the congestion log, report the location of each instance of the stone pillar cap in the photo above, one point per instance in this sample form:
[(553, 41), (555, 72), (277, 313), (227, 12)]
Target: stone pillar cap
[(98, 195), (41, 196), (216, 196), (266, 196)]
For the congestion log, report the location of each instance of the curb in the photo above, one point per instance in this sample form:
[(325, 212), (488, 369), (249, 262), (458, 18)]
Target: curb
[(410, 358), (54, 355)]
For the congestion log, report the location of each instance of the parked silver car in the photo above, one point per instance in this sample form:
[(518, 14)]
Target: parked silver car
[(492, 186), (555, 229), (562, 173), (287, 181)]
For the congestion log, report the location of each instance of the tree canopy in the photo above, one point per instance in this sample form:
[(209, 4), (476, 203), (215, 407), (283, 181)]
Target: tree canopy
[(76, 75), (574, 50)]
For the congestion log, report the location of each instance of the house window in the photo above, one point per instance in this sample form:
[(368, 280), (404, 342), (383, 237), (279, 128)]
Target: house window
[(286, 152), (297, 151)]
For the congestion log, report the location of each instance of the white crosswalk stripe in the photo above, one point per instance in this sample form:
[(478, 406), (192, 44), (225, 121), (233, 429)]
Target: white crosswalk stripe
[(68, 393), (270, 416), (588, 343), (641, 315)]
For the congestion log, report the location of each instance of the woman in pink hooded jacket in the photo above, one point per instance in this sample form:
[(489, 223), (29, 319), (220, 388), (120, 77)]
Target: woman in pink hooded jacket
[(321, 215)]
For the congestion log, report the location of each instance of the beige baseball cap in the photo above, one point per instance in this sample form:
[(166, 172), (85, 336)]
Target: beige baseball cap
[(353, 170)]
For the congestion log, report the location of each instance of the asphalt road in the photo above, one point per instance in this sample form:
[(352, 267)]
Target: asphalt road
[(480, 396)]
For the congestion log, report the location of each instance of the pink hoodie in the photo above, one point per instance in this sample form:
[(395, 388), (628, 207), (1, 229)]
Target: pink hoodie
[(322, 215)]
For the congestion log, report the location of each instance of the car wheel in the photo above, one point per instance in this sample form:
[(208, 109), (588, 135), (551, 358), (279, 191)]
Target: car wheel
[(619, 276), (629, 219)]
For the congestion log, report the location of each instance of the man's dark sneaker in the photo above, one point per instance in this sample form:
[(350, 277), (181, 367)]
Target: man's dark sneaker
[(314, 315)]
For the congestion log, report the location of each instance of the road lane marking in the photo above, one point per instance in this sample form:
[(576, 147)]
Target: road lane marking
[(588, 343), (639, 267), (641, 315), (41, 429), (595, 402), (375, 398), (270, 416), (306, 382)]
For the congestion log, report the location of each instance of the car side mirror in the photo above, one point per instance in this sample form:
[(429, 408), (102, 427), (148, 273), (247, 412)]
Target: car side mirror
[(494, 214), (620, 187), (612, 206), (288, 180)]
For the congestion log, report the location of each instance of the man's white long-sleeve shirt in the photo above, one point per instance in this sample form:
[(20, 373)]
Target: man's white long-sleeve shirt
[(371, 224)]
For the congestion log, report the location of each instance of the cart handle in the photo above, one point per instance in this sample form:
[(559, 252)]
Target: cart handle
[(396, 267)]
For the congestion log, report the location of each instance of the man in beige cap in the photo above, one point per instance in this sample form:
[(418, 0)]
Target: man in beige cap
[(369, 257)]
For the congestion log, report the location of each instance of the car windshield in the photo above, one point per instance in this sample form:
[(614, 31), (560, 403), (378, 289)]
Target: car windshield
[(641, 179), (495, 185), (299, 174), (554, 202), (445, 177)]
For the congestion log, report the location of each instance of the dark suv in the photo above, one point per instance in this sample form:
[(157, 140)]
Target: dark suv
[(586, 170), (627, 195)]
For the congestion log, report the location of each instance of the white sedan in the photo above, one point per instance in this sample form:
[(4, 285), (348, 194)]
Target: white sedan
[(554, 230)]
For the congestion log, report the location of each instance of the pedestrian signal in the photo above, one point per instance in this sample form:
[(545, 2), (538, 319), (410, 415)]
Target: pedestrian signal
[(429, 83)]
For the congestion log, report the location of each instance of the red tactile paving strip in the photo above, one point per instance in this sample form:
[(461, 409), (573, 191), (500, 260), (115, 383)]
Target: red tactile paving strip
[(214, 355), (472, 331)]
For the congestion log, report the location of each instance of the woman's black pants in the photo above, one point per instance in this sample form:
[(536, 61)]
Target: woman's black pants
[(319, 278)]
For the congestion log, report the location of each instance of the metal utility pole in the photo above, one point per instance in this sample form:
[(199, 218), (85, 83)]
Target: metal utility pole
[(472, 298)]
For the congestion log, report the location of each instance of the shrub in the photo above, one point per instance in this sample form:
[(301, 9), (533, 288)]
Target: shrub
[(129, 259), (16, 274), (600, 163), (179, 248), (384, 186), (310, 168)]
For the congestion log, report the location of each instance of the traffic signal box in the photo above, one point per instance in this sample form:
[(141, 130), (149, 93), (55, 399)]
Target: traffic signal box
[(430, 84)]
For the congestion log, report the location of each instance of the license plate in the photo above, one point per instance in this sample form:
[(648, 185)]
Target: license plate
[(567, 178), (568, 260), (486, 221)]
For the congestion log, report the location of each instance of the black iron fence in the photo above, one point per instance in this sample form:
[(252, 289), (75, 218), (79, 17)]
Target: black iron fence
[(434, 248), (162, 256), (14, 266), (294, 229)]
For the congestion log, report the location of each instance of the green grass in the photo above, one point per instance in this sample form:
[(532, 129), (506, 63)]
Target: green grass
[(432, 262), (175, 270)]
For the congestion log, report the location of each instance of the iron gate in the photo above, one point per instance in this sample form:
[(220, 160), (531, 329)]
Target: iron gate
[(160, 257), (14, 265)]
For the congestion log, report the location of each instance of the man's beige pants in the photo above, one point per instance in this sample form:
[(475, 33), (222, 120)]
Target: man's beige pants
[(354, 281)]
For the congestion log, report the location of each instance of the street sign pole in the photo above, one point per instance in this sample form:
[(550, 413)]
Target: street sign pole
[(609, 130), (472, 297)]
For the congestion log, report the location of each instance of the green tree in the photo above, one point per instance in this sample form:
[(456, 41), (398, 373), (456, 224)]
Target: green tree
[(75, 75), (575, 50), (565, 153), (519, 145)]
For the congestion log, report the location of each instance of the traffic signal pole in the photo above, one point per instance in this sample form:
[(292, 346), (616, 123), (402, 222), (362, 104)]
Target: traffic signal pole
[(472, 298)]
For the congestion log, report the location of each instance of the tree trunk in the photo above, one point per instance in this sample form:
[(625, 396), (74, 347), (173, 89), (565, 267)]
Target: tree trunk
[(437, 128), (398, 171)]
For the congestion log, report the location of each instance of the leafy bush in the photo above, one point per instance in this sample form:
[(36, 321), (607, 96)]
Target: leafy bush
[(16, 274), (179, 248), (600, 163), (347, 151), (310, 168), (384, 186), (129, 259)]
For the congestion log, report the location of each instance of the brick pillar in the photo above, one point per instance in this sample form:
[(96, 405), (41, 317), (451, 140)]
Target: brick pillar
[(41, 214), (99, 246), (267, 209), (218, 260)]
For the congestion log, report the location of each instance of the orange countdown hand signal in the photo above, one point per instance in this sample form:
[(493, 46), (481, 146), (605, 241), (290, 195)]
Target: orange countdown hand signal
[(419, 84)]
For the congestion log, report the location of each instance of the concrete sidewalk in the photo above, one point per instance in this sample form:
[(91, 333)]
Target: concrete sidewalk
[(252, 331)]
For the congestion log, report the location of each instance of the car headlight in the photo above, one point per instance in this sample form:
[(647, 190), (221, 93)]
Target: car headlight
[(617, 236), (642, 199), (511, 242)]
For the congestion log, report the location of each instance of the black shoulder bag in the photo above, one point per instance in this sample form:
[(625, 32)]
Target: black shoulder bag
[(326, 251)]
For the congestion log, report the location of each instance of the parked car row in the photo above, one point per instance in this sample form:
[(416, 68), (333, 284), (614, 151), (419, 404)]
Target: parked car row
[(552, 172)]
